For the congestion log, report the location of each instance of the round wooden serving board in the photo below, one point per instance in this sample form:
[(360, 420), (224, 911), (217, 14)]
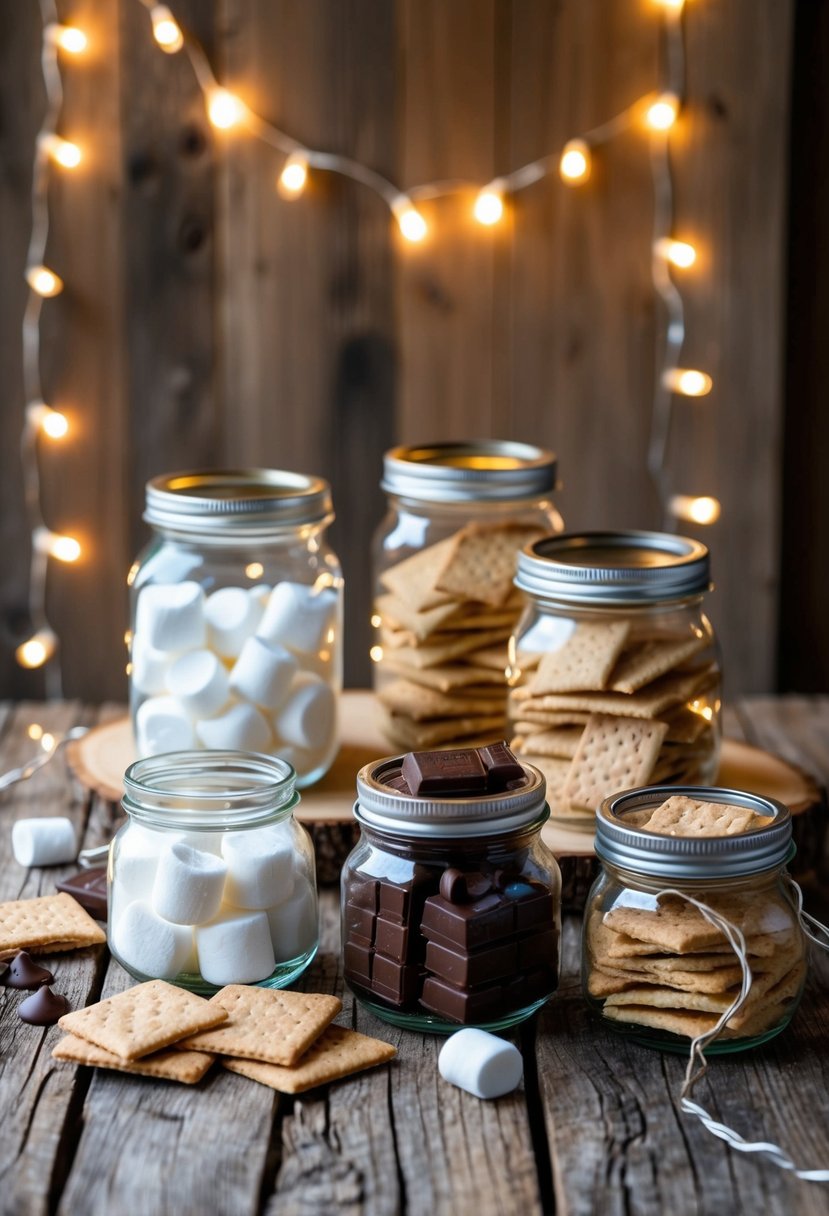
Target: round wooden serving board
[(99, 759)]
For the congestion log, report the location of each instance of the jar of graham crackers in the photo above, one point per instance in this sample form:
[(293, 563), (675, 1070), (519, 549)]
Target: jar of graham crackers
[(444, 560), (693, 891), (614, 668)]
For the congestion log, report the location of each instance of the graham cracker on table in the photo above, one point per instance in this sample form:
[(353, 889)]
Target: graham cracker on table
[(683, 816), (559, 743), (337, 1053), (651, 658), (406, 697), (410, 734), (667, 691), (613, 754), (446, 678), (171, 1065), (433, 655), (481, 563), (267, 1024), (413, 579), (585, 660), (48, 924), (143, 1019)]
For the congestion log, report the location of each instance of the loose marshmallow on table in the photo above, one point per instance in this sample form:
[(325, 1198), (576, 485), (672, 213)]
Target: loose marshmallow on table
[(297, 617), (199, 682), (480, 1063), (241, 728), (150, 945), (163, 725), (263, 673), (170, 616), (293, 924), (188, 885), (260, 868), (44, 842), (235, 949), (308, 718), (233, 615), (149, 667)]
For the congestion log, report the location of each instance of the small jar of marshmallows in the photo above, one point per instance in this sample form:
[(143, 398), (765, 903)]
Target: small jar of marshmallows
[(236, 618), (211, 880)]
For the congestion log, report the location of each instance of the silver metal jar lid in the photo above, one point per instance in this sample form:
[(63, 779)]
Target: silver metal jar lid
[(488, 470), (696, 857), (614, 567), (381, 806), (238, 501)]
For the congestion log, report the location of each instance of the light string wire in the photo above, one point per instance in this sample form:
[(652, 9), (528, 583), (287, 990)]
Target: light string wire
[(697, 1063)]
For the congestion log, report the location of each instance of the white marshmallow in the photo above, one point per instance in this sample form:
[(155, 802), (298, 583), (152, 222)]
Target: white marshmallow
[(308, 720), (240, 728), (150, 945), (188, 885), (199, 682), (263, 673), (298, 618), (293, 924), (261, 593), (163, 725), (136, 860), (149, 667), (44, 842), (480, 1063), (170, 616), (232, 617), (260, 868), (235, 949)]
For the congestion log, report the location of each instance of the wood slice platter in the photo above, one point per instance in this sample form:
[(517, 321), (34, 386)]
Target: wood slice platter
[(99, 758)]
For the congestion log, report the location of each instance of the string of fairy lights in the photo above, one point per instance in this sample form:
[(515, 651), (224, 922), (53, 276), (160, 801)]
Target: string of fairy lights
[(655, 114)]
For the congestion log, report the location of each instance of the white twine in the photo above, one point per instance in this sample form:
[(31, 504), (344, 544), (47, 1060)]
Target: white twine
[(697, 1063)]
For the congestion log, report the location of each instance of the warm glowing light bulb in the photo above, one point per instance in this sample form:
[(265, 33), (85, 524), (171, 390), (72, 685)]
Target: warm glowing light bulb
[(64, 548), (61, 151), (703, 510), (661, 113), (35, 731), (687, 381), (376, 654), (48, 742), (574, 165), (68, 37), (51, 422), (34, 652), (224, 109), (43, 281), (675, 6), (489, 205), (678, 253), (254, 569), (411, 223), (294, 175), (166, 30)]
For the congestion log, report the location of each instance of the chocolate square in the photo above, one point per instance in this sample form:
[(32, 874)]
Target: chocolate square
[(533, 904), (89, 888), (467, 970), (397, 982), (361, 891), (503, 771), (357, 961), (537, 949), (400, 941), (463, 1006), (451, 773), (466, 926), (359, 924)]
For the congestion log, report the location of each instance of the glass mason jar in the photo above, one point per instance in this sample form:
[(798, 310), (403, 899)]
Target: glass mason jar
[(450, 906), (236, 618), (474, 505), (653, 968), (615, 660), (211, 879)]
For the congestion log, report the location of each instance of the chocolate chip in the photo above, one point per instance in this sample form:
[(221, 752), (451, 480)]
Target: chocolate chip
[(43, 1008), (24, 972)]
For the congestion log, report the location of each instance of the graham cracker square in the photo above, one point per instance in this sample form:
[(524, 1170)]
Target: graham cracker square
[(171, 1065), (338, 1053), (266, 1024)]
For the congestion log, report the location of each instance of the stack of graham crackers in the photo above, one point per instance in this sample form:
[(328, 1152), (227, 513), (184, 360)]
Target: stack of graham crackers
[(613, 707), (666, 967), (281, 1039), (446, 615)]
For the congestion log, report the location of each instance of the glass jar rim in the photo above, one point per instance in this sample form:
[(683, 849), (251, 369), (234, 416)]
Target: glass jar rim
[(473, 470), (209, 790), (239, 502)]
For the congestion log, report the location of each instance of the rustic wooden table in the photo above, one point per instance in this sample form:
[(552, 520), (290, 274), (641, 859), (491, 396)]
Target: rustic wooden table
[(594, 1129)]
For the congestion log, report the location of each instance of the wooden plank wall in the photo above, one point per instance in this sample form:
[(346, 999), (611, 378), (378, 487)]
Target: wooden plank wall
[(210, 321)]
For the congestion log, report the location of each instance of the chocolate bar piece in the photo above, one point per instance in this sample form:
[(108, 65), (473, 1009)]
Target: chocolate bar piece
[(358, 960), (502, 768), (395, 982), (537, 949), (89, 888), (398, 941), (359, 924), (467, 970), (465, 926), (362, 891), (453, 772), (467, 1005), (533, 904)]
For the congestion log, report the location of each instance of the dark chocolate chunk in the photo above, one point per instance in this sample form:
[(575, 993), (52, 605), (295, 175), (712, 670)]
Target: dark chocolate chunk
[(395, 982), (466, 970), (538, 948), (43, 1008), (89, 888), (357, 961), (502, 768), (359, 924), (397, 781), (24, 972), (362, 891), (464, 1005), (468, 925), (533, 904), (396, 940), (453, 885), (477, 885), (452, 773)]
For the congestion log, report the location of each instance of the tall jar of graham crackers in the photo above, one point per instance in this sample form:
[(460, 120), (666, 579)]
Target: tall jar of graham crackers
[(445, 604), (614, 668)]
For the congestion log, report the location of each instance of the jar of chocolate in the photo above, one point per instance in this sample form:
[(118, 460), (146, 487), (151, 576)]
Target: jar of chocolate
[(236, 618), (692, 891), (614, 668), (444, 560), (211, 881), (450, 900)]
